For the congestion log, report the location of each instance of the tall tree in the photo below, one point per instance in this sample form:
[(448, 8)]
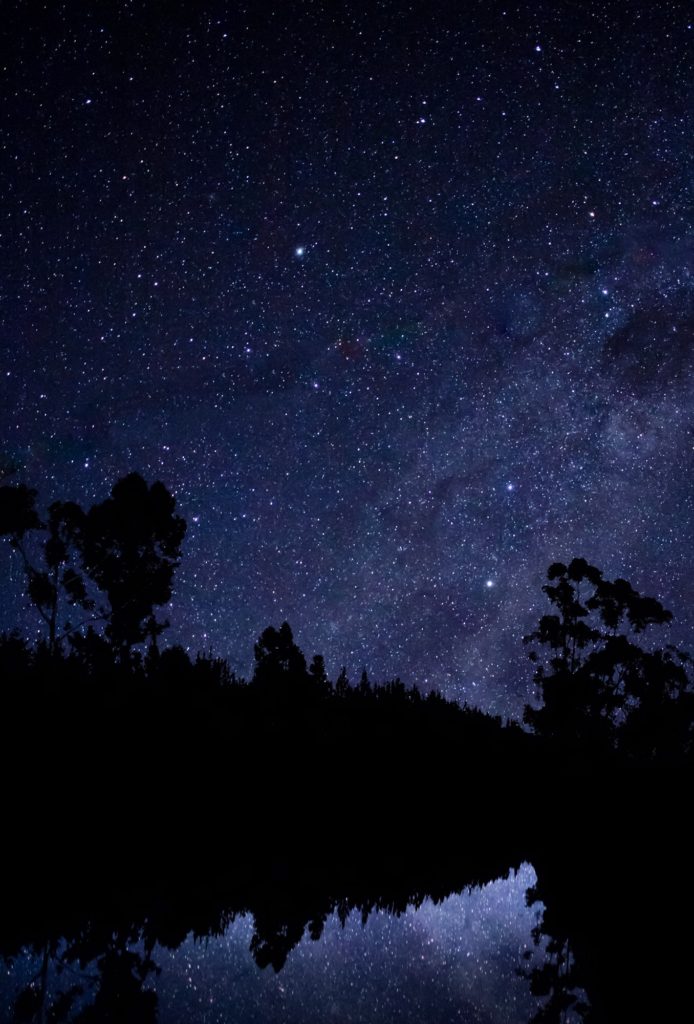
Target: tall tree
[(277, 658), (598, 686), (62, 573), (342, 683), (128, 547), (51, 567), (318, 675), (131, 546)]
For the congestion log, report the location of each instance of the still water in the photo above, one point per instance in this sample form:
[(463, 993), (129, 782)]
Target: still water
[(462, 959)]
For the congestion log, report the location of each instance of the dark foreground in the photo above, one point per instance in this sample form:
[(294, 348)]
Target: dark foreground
[(144, 805), (144, 858)]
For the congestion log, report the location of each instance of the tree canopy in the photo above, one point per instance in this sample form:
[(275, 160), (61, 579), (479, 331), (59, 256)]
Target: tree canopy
[(115, 562), (131, 546), (597, 686)]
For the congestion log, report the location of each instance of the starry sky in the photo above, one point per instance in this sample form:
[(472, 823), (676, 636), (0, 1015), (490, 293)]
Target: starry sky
[(396, 298)]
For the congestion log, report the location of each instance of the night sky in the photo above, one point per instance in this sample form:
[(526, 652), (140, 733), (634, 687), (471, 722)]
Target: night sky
[(396, 298)]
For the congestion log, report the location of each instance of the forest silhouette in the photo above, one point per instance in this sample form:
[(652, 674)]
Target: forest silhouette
[(150, 794)]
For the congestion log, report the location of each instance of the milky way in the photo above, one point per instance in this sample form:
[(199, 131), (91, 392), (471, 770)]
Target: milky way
[(396, 298)]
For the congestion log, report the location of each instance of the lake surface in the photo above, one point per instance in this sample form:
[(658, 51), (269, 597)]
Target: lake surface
[(461, 959)]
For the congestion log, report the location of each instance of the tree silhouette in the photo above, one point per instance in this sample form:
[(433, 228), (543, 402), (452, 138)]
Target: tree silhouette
[(56, 571), (17, 511), (318, 675), (342, 683), (61, 574), (127, 547), (555, 982), (598, 686), (280, 666), (131, 546)]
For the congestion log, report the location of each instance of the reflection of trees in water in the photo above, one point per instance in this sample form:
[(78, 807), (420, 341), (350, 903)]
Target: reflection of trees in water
[(74, 986), (616, 893), (555, 979), (99, 971), (600, 936), (100, 975)]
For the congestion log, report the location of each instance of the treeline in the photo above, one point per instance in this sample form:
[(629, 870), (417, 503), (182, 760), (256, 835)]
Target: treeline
[(97, 577), (161, 745), (164, 749)]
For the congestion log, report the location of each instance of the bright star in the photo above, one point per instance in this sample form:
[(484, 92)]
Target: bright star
[(300, 250), (489, 584)]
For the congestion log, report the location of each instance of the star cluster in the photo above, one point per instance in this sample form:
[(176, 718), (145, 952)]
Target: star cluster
[(396, 298)]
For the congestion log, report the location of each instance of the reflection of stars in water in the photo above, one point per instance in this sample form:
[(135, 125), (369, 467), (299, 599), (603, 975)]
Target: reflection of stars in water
[(456, 959)]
